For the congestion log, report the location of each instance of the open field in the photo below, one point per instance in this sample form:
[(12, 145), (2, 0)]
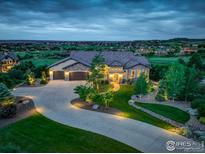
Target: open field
[(165, 60), (39, 134), (42, 62)]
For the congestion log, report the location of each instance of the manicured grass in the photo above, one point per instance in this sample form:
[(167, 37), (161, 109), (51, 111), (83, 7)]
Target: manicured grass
[(167, 111), (120, 102), (42, 62), (165, 60), (39, 134)]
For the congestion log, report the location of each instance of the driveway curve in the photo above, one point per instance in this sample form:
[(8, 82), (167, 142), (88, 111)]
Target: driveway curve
[(53, 101)]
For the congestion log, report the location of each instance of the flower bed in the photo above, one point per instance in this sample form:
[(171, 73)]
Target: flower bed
[(90, 106)]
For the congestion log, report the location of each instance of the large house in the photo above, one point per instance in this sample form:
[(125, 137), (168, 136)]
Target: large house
[(7, 61), (120, 66)]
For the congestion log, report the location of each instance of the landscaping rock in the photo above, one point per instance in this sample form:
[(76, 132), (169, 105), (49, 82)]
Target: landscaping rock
[(199, 133), (95, 107), (202, 138), (192, 112), (135, 97), (130, 102)]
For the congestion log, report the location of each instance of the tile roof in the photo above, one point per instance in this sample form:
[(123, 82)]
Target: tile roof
[(112, 58), (8, 55)]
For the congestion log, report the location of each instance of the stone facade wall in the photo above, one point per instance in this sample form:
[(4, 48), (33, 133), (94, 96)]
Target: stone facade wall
[(135, 72)]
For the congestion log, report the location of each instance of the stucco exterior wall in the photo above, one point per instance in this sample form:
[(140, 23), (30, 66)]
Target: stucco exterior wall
[(77, 67)]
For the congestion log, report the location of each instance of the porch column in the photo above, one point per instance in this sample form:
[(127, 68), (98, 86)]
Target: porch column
[(51, 74), (66, 74)]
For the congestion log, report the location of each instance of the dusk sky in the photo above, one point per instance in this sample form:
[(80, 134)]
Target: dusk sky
[(101, 19)]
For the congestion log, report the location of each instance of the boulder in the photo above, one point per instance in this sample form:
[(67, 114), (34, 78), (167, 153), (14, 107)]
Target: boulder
[(95, 107), (131, 102), (192, 112)]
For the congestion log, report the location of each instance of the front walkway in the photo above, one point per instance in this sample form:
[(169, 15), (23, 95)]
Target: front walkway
[(53, 101)]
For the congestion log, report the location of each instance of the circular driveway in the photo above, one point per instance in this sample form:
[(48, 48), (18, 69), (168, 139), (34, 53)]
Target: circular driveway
[(53, 101)]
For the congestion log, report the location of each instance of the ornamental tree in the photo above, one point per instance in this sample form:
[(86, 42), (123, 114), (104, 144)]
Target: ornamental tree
[(97, 71), (6, 98)]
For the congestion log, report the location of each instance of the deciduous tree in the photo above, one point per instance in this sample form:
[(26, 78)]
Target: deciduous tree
[(175, 79)]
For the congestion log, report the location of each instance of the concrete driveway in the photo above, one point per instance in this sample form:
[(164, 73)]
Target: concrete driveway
[(53, 101)]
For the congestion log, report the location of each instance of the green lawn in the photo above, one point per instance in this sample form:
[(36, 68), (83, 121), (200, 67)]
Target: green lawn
[(39, 134), (165, 60), (120, 102), (167, 111), (42, 62)]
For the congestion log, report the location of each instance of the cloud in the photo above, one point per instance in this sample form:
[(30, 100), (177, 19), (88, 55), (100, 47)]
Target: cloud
[(101, 19)]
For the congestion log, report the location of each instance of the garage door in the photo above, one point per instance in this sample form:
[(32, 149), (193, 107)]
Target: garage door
[(58, 75), (78, 76)]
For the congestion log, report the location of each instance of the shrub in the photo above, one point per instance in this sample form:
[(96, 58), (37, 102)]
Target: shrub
[(196, 103), (202, 120), (140, 85), (162, 94), (150, 87), (10, 148), (201, 110), (97, 98), (43, 78), (157, 72), (5, 79), (107, 98), (8, 111), (30, 78), (6, 97), (85, 93)]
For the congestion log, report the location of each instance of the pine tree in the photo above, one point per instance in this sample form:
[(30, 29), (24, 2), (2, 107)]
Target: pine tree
[(175, 79), (6, 97), (140, 86), (162, 91)]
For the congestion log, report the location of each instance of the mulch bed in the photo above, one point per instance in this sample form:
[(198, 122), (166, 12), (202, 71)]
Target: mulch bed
[(89, 106)]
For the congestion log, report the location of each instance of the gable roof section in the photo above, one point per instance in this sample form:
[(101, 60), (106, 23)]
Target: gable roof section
[(8, 55)]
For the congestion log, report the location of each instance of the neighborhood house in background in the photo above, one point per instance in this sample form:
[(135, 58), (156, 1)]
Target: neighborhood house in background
[(119, 66), (7, 61)]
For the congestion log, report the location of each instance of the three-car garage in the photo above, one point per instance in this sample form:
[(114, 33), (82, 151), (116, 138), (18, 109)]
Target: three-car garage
[(71, 76)]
